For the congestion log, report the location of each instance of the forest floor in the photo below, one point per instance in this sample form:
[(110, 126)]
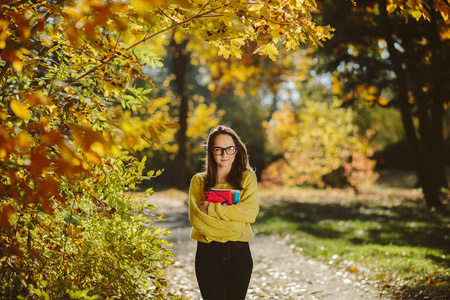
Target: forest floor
[(279, 271)]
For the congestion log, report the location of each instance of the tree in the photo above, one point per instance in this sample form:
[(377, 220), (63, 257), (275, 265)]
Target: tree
[(383, 46), (65, 149)]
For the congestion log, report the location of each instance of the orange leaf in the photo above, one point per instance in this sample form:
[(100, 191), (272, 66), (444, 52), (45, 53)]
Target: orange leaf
[(172, 125), (383, 101), (74, 12), (94, 158), (39, 162), (72, 33), (89, 140), (23, 140), (36, 99), (153, 133), (46, 206), (6, 213), (52, 137)]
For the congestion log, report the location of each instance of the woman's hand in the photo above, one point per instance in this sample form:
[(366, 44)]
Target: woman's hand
[(204, 206)]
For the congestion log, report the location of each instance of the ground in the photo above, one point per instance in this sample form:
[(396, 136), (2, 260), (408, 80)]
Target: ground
[(279, 271)]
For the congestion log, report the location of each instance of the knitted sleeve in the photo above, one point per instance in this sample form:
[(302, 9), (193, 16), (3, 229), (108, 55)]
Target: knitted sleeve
[(248, 207), (204, 223)]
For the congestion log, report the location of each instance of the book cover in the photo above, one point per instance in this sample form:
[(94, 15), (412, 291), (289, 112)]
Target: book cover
[(219, 196), (235, 194)]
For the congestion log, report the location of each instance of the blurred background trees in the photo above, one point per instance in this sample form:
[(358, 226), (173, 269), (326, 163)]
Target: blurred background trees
[(384, 56)]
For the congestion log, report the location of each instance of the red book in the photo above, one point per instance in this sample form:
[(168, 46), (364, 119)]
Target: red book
[(223, 197)]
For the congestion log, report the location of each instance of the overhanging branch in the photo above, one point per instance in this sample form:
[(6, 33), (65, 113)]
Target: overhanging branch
[(129, 48)]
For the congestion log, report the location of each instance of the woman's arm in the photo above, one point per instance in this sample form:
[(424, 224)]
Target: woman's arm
[(248, 207), (204, 223)]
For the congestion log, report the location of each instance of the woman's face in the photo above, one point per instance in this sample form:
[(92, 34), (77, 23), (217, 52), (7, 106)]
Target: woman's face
[(222, 156)]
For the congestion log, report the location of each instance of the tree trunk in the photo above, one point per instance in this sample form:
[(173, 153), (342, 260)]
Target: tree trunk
[(431, 148), (437, 110), (431, 116), (180, 64)]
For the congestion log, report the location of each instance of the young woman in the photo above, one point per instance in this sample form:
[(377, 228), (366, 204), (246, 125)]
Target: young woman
[(223, 262)]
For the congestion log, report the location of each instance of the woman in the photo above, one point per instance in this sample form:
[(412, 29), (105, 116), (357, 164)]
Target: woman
[(223, 262)]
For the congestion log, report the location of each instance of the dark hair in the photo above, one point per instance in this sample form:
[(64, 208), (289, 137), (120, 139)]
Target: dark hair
[(240, 163)]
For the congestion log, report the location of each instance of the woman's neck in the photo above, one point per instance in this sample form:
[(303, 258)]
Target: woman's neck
[(222, 175)]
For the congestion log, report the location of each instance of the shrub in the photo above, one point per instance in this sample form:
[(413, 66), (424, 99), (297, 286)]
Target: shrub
[(99, 244)]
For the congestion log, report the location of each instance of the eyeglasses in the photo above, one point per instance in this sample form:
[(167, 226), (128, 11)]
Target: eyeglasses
[(229, 150)]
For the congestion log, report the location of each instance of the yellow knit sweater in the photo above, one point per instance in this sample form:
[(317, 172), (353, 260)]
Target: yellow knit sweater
[(224, 222)]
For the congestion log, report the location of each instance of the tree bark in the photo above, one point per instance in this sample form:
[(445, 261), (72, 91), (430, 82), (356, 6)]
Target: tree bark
[(180, 65), (437, 94)]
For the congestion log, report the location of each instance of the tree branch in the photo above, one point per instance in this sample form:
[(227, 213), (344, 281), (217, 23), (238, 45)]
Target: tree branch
[(5, 69), (129, 48)]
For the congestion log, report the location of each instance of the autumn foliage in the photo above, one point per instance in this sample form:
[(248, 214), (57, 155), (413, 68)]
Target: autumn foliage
[(317, 141)]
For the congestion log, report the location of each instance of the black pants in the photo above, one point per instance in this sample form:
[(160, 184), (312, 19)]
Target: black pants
[(223, 270)]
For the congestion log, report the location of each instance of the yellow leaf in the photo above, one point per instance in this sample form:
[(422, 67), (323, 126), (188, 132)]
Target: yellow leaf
[(3, 115), (139, 6), (74, 231), (211, 86), (311, 3), (18, 65), (417, 14), (391, 8), (270, 50), (224, 52), (336, 89), (20, 110)]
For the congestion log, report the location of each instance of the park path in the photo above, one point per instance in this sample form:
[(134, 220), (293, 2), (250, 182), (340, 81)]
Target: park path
[(279, 272)]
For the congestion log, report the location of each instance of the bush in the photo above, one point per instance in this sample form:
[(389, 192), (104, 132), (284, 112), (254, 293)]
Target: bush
[(101, 244)]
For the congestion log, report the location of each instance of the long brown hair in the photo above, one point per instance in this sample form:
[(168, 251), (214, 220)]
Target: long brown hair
[(240, 164)]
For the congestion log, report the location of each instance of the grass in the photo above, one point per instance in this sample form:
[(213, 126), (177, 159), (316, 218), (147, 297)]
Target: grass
[(387, 236)]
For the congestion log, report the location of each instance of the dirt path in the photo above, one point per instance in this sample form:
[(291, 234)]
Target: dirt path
[(279, 272)]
